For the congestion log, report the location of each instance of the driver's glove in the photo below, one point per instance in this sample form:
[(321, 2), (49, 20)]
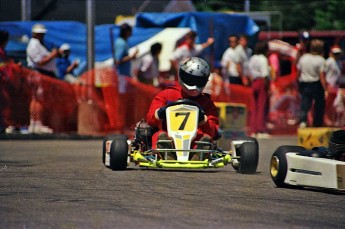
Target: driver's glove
[(161, 112)]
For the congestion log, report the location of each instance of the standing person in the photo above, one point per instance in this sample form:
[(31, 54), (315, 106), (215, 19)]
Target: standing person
[(65, 66), (192, 78), (38, 56), (232, 69), (188, 49), (333, 74), (4, 100), (303, 45), (148, 70), (259, 71), (312, 83), (40, 59), (243, 53), (122, 57)]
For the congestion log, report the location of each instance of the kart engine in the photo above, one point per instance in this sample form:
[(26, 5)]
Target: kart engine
[(144, 132)]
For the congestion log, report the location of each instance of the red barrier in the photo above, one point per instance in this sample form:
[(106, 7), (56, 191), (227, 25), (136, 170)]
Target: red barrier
[(115, 112)]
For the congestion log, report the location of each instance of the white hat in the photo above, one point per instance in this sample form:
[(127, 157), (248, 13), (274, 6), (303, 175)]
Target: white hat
[(39, 28), (65, 47), (336, 49)]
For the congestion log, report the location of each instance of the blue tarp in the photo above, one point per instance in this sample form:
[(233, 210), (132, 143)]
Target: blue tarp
[(217, 25), (75, 34)]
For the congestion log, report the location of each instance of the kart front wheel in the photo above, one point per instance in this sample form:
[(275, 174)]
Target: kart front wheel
[(278, 165), (107, 140), (119, 154), (249, 158), (236, 152)]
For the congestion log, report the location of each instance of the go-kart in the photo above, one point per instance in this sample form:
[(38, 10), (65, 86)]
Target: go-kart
[(182, 122), (321, 167)]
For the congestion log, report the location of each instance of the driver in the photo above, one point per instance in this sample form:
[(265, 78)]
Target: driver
[(192, 77)]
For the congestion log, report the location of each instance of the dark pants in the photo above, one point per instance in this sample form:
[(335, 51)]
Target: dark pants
[(312, 92), (47, 73), (235, 80)]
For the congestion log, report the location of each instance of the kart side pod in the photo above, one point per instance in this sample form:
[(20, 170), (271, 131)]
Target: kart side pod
[(289, 168)]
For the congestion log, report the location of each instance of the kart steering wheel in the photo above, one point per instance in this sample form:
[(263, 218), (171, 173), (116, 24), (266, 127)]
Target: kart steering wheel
[(184, 101)]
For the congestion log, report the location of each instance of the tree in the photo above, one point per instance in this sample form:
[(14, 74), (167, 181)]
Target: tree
[(297, 14)]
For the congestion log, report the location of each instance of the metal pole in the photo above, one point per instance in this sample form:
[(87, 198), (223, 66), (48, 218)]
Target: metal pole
[(247, 6), (26, 10), (90, 18)]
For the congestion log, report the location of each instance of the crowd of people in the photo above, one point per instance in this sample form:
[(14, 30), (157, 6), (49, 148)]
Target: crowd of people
[(317, 77)]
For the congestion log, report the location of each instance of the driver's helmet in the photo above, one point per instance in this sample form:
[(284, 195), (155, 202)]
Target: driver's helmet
[(193, 75)]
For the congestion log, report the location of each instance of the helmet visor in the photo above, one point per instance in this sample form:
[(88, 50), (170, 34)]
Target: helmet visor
[(192, 80)]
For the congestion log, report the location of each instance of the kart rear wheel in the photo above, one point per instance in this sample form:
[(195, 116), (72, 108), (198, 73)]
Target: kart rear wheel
[(119, 154), (278, 165), (236, 151), (110, 138), (249, 158)]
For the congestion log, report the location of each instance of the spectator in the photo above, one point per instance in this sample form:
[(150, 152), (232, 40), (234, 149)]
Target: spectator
[(232, 68), (303, 45), (312, 83), (188, 49), (193, 76), (148, 70), (122, 57), (40, 59), (38, 56), (4, 36), (243, 53), (333, 74), (259, 71), (65, 66)]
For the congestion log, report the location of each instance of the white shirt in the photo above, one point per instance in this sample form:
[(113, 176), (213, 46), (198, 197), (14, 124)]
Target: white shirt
[(183, 52), (243, 57), (310, 67), (332, 71), (149, 67), (229, 62), (258, 66), (35, 52)]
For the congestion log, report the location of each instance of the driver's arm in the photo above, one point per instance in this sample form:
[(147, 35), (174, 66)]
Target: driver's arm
[(158, 102), (211, 125)]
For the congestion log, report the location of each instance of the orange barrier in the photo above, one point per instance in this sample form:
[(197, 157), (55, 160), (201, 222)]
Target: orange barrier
[(115, 112)]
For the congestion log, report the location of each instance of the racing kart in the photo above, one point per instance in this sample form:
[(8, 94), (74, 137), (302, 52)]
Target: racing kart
[(182, 122), (321, 167)]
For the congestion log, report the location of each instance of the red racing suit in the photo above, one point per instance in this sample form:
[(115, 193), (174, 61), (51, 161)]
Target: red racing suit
[(174, 93)]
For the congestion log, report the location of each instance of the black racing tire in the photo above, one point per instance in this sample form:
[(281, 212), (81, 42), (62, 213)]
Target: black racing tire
[(249, 158), (119, 154), (238, 153), (278, 164), (107, 138)]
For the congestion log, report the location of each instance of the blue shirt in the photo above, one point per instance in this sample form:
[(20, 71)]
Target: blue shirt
[(62, 65), (121, 50)]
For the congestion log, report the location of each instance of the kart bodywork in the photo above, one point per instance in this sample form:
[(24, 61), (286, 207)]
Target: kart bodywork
[(290, 166), (182, 123)]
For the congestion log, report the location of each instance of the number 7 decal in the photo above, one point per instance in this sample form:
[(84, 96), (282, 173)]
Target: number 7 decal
[(183, 124)]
